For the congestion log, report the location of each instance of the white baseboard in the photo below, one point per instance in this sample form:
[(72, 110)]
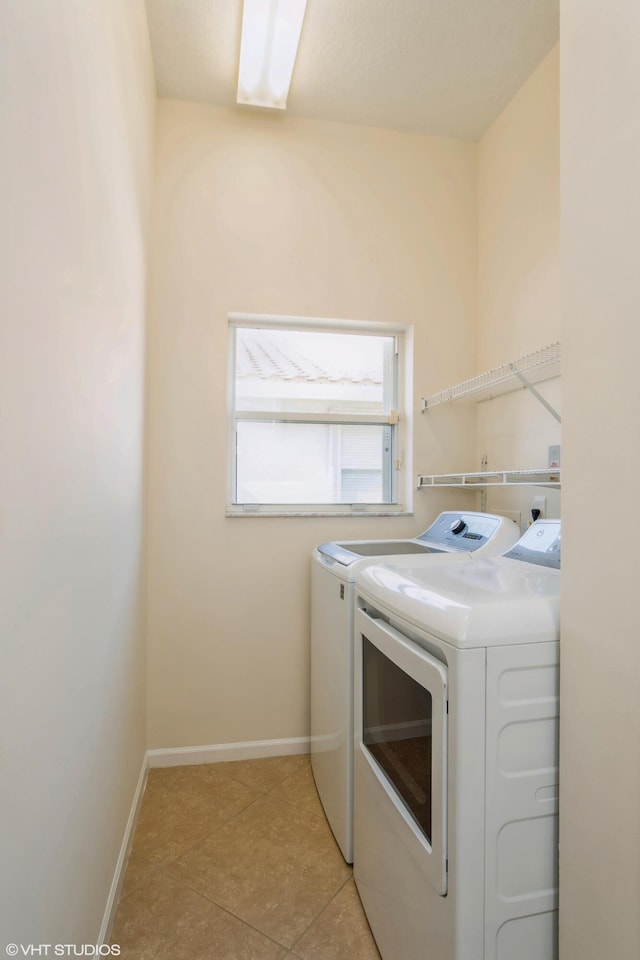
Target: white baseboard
[(118, 876), (217, 752)]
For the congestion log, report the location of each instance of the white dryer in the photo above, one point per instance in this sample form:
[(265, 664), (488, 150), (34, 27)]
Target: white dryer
[(456, 753), (453, 535)]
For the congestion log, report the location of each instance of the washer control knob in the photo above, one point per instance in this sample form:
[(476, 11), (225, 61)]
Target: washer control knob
[(458, 526)]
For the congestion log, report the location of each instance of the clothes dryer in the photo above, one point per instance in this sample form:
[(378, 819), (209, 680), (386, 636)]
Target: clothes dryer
[(456, 753), (453, 534)]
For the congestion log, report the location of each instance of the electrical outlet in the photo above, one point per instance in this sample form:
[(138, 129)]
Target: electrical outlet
[(540, 503)]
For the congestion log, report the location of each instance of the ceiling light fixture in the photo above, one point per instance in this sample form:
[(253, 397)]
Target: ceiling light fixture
[(270, 36)]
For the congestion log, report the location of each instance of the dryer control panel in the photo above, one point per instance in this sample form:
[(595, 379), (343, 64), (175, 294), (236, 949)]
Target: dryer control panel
[(541, 544)]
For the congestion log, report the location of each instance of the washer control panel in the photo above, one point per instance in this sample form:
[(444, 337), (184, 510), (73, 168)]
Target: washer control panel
[(461, 531), (541, 544)]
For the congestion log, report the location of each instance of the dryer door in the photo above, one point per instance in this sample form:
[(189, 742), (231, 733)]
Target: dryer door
[(402, 733)]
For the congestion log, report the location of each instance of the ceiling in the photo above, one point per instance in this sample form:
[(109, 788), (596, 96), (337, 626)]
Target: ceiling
[(441, 67)]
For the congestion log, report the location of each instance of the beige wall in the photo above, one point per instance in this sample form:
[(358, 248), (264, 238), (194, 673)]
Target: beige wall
[(275, 215), (76, 114), (256, 213), (519, 278), (600, 694)]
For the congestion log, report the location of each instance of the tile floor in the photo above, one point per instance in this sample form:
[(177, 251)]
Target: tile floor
[(236, 861)]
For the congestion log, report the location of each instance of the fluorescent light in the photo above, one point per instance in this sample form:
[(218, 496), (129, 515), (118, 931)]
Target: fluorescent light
[(270, 36)]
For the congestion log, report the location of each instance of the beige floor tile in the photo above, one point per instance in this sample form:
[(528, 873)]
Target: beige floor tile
[(341, 932), (168, 921), (252, 837), (264, 774), (274, 866), (139, 871), (181, 806), (300, 790), (224, 937), (154, 917)]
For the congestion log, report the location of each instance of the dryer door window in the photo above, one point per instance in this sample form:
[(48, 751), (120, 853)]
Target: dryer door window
[(401, 726), (398, 732)]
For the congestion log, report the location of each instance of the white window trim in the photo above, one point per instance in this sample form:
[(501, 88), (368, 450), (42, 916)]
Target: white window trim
[(402, 417)]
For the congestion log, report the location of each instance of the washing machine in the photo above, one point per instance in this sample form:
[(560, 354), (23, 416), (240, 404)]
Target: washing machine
[(456, 753), (453, 535)]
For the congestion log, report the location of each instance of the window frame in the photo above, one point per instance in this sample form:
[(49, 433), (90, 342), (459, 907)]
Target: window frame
[(398, 418)]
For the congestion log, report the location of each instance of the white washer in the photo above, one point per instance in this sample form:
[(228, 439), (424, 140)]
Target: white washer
[(453, 535), (456, 753)]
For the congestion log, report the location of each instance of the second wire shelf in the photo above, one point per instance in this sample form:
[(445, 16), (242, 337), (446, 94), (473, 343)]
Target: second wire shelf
[(503, 478)]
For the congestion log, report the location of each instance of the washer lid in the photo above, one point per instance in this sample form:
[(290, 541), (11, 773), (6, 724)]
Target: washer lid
[(350, 551), (473, 603)]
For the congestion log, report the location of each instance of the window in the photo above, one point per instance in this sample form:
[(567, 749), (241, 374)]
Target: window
[(314, 421)]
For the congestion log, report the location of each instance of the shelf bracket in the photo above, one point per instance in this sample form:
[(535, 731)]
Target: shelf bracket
[(483, 492), (545, 403)]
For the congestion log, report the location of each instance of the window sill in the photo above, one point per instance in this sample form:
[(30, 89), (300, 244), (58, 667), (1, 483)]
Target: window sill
[(280, 512)]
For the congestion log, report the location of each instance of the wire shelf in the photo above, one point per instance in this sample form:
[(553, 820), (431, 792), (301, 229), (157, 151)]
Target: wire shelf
[(543, 364), (493, 478)]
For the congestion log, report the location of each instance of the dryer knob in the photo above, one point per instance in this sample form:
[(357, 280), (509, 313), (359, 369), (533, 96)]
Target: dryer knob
[(458, 526)]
